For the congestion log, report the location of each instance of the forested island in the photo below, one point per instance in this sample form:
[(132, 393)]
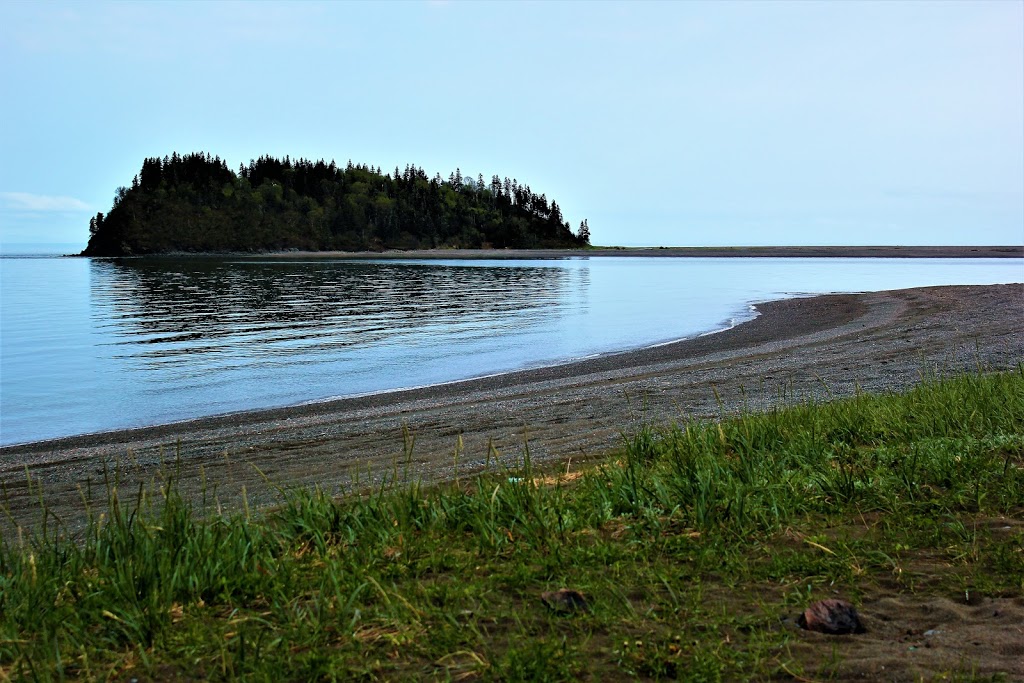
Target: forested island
[(196, 204)]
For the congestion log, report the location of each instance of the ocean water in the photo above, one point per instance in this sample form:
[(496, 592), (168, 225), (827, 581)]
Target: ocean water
[(88, 345)]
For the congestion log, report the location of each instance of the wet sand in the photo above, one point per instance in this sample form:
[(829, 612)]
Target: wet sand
[(794, 350)]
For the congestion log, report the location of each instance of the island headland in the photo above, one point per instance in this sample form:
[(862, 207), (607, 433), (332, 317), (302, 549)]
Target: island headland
[(196, 204)]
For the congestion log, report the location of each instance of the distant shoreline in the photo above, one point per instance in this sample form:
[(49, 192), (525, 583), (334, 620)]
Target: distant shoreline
[(881, 251)]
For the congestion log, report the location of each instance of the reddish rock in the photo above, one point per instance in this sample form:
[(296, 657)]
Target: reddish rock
[(835, 617)]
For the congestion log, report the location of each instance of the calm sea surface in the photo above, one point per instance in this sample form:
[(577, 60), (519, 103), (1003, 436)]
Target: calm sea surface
[(90, 345)]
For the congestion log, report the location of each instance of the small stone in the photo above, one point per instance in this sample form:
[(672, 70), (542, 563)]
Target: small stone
[(835, 617), (564, 601)]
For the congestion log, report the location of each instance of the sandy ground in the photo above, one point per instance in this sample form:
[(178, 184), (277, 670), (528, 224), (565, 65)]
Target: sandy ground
[(796, 349), (915, 638)]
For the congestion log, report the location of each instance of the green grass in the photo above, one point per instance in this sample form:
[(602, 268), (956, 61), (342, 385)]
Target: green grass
[(689, 542)]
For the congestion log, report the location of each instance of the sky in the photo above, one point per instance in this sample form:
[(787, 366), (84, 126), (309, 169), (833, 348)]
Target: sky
[(661, 123)]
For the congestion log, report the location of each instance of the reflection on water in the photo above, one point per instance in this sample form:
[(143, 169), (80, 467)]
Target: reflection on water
[(197, 313)]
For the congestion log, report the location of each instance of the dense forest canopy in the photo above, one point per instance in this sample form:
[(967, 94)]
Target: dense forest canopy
[(195, 203)]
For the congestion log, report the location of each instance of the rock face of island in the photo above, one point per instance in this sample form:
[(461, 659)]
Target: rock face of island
[(196, 204)]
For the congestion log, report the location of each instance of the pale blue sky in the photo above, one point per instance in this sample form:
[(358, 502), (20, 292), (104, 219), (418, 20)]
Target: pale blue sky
[(668, 123)]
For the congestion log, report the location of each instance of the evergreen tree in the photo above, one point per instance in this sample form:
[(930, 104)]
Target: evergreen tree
[(583, 234)]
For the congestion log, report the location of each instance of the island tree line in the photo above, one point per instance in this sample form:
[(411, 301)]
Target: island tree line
[(195, 203)]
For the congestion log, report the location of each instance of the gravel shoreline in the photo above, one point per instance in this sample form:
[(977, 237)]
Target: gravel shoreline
[(795, 349)]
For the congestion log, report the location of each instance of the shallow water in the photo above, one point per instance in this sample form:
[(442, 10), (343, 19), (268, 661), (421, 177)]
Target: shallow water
[(90, 345)]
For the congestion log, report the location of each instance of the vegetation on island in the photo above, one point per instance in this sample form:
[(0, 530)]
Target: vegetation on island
[(692, 548), (195, 203)]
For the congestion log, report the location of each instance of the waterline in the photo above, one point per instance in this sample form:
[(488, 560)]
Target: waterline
[(93, 345)]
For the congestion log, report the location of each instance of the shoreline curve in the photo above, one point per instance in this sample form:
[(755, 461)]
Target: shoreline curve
[(146, 431), (795, 349)]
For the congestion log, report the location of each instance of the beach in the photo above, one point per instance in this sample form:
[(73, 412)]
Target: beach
[(794, 350)]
